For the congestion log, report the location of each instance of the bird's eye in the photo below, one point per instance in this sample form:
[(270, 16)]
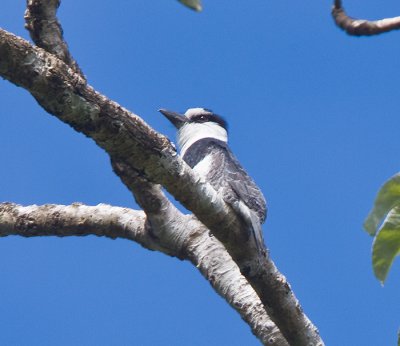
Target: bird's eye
[(202, 117)]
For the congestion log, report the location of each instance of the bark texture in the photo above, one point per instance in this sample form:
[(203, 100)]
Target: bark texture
[(46, 30), (362, 27)]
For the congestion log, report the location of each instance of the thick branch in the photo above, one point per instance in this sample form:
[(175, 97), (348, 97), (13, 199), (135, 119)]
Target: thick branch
[(362, 27), (46, 31), (206, 253), (128, 139)]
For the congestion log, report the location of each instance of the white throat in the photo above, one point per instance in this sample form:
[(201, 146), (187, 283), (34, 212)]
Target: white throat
[(192, 132)]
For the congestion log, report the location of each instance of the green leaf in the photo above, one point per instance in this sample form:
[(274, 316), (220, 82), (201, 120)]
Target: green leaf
[(386, 244), (388, 197), (193, 4)]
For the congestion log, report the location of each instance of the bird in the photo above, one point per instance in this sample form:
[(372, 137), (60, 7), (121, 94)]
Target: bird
[(202, 137)]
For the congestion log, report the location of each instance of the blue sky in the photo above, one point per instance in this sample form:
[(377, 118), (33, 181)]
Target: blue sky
[(314, 117)]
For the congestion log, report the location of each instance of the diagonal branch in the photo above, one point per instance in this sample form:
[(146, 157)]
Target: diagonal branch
[(193, 241), (115, 222), (217, 266), (46, 31), (362, 27), (127, 138)]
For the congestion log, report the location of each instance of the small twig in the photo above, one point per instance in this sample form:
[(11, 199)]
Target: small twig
[(362, 27), (46, 31)]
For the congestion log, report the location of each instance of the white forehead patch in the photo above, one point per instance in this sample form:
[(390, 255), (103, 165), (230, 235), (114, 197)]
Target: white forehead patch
[(191, 112)]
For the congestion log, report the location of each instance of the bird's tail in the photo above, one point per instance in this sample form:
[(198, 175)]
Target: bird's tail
[(257, 232), (252, 219)]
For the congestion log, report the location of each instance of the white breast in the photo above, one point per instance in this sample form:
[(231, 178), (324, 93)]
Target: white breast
[(204, 166), (192, 132)]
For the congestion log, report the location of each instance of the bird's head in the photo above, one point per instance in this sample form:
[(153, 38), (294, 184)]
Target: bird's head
[(197, 124), (194, 116)]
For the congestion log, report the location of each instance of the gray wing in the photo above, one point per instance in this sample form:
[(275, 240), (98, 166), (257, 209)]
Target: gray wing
[(224, 172), (252, 205), (234, 179), (244, 186)]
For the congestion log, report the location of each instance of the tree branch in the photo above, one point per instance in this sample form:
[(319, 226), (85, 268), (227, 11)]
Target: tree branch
[(46, 31), (216, 265), (204, 251), (127, 138), (362, 27), (194, 242), (73, 220), (164, 221)]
